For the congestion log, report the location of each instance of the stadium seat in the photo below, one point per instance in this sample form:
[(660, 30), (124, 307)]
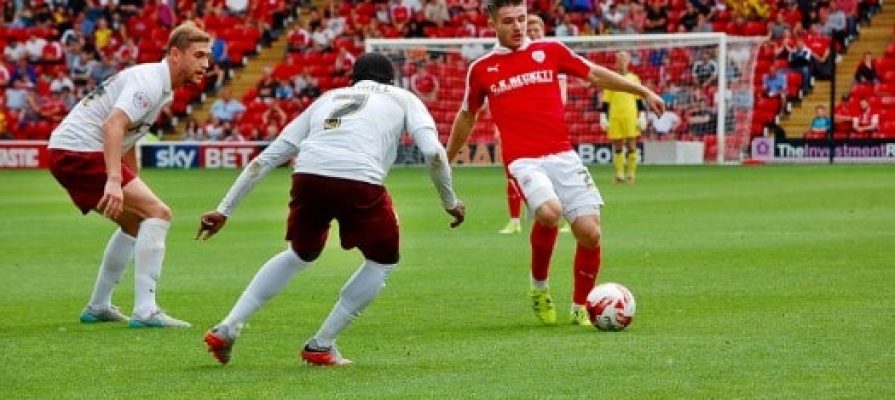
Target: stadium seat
[(885, 64), (890, 50), (756, 28), (861, 90)]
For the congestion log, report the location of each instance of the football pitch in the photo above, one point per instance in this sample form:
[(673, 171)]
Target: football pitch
[(766, 282)]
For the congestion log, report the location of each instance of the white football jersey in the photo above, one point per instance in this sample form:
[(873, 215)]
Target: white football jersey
[(353, 132), (140, 91)]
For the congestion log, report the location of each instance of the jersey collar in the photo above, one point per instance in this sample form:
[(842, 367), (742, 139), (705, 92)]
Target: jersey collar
[(501, 49)]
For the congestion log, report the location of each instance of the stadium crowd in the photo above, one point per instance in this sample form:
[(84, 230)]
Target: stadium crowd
[(57, 51)]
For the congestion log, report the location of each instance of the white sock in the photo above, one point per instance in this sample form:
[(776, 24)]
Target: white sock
[(118, 253), (576, 307), (539, 284), (514, 221), (356, 295), (149, 253), (267, 283)]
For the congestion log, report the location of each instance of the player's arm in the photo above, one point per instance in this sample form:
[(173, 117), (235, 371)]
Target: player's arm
[(113, 128), (130, 159), (440, 172), (460, 131), (608, 79), (281, 150), (421, 127)]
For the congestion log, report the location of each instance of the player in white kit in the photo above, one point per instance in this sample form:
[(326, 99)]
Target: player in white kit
[(344, 145), (92, 155)]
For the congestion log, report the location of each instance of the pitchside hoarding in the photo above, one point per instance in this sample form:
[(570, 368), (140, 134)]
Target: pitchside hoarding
[(818, 151), (23, 154), (199, 155), (185, 155)]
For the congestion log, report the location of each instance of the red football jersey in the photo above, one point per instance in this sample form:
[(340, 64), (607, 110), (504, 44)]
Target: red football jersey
[(523, 93)]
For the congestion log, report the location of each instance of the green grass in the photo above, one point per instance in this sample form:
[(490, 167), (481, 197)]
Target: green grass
[(768, 282)]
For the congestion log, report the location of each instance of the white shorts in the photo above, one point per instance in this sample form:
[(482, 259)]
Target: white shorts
[(558, 176)]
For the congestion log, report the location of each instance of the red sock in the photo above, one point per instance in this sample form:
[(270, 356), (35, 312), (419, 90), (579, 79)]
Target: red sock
[(514, 200), (543, 240), (587, 266)]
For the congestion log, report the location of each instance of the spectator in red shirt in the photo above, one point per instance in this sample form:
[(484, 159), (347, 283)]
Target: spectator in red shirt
[(5, 76), (299, 39), (53, 107), (424, 85), (867, 120), (400, 13), (344, 62)]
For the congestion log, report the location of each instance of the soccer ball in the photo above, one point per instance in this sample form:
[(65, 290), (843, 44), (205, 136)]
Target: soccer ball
[(611, 307)]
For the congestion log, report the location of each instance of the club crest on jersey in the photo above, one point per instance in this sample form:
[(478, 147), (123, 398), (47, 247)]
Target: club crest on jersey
[(141, 100), (538, 56)]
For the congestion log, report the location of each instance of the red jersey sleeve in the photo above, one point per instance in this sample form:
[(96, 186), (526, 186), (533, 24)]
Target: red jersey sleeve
[(474, 97), (571, 63)]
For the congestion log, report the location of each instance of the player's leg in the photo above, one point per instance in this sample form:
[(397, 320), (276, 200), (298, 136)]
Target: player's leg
[(581, 201), (118, 253), (514, 205), (269, 281), (586, 267), (537, 189), (358, 292), (149, 252), (631, 161), (618, 159), (83, 176), (307, 230), (372, 227)]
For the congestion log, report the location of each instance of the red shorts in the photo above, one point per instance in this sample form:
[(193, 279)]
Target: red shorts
[(364, 211), (83, 175)]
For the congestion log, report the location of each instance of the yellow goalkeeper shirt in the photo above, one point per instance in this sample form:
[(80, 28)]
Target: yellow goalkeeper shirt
[(622, 104)]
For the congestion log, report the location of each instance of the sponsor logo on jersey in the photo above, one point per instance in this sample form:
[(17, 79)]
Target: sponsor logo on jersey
[(522, 80), (142, 100)]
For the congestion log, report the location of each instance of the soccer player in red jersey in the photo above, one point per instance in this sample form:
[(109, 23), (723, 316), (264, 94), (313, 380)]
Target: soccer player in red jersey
[(519, 79), (92, 155)]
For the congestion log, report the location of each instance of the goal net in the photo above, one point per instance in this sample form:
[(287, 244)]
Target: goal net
[(706, 79)]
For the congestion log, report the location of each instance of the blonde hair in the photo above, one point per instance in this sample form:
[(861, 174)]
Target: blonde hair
[(186, 34), (535, 19)]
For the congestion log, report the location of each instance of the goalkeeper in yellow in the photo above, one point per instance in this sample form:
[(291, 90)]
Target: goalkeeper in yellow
[(623, 116)]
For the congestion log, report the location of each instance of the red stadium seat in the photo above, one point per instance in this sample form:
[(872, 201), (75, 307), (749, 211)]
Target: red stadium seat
[(890, 50), (756, 28), (862, 90), (885, 64)]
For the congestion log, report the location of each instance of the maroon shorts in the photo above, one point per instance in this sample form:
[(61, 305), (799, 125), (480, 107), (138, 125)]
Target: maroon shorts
[(364, 211), (83, 175)]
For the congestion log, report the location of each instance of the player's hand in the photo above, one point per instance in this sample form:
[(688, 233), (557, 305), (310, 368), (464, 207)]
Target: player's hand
[(459, 214), (112, 203), (655, 103), (209, 224), (604, 122)]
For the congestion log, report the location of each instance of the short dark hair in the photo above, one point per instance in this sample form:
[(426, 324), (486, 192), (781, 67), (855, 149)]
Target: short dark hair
[(494, 5), (374, 67)]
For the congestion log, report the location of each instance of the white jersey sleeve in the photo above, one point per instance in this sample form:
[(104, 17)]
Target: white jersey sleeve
[(140, 92), (421, 126)]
